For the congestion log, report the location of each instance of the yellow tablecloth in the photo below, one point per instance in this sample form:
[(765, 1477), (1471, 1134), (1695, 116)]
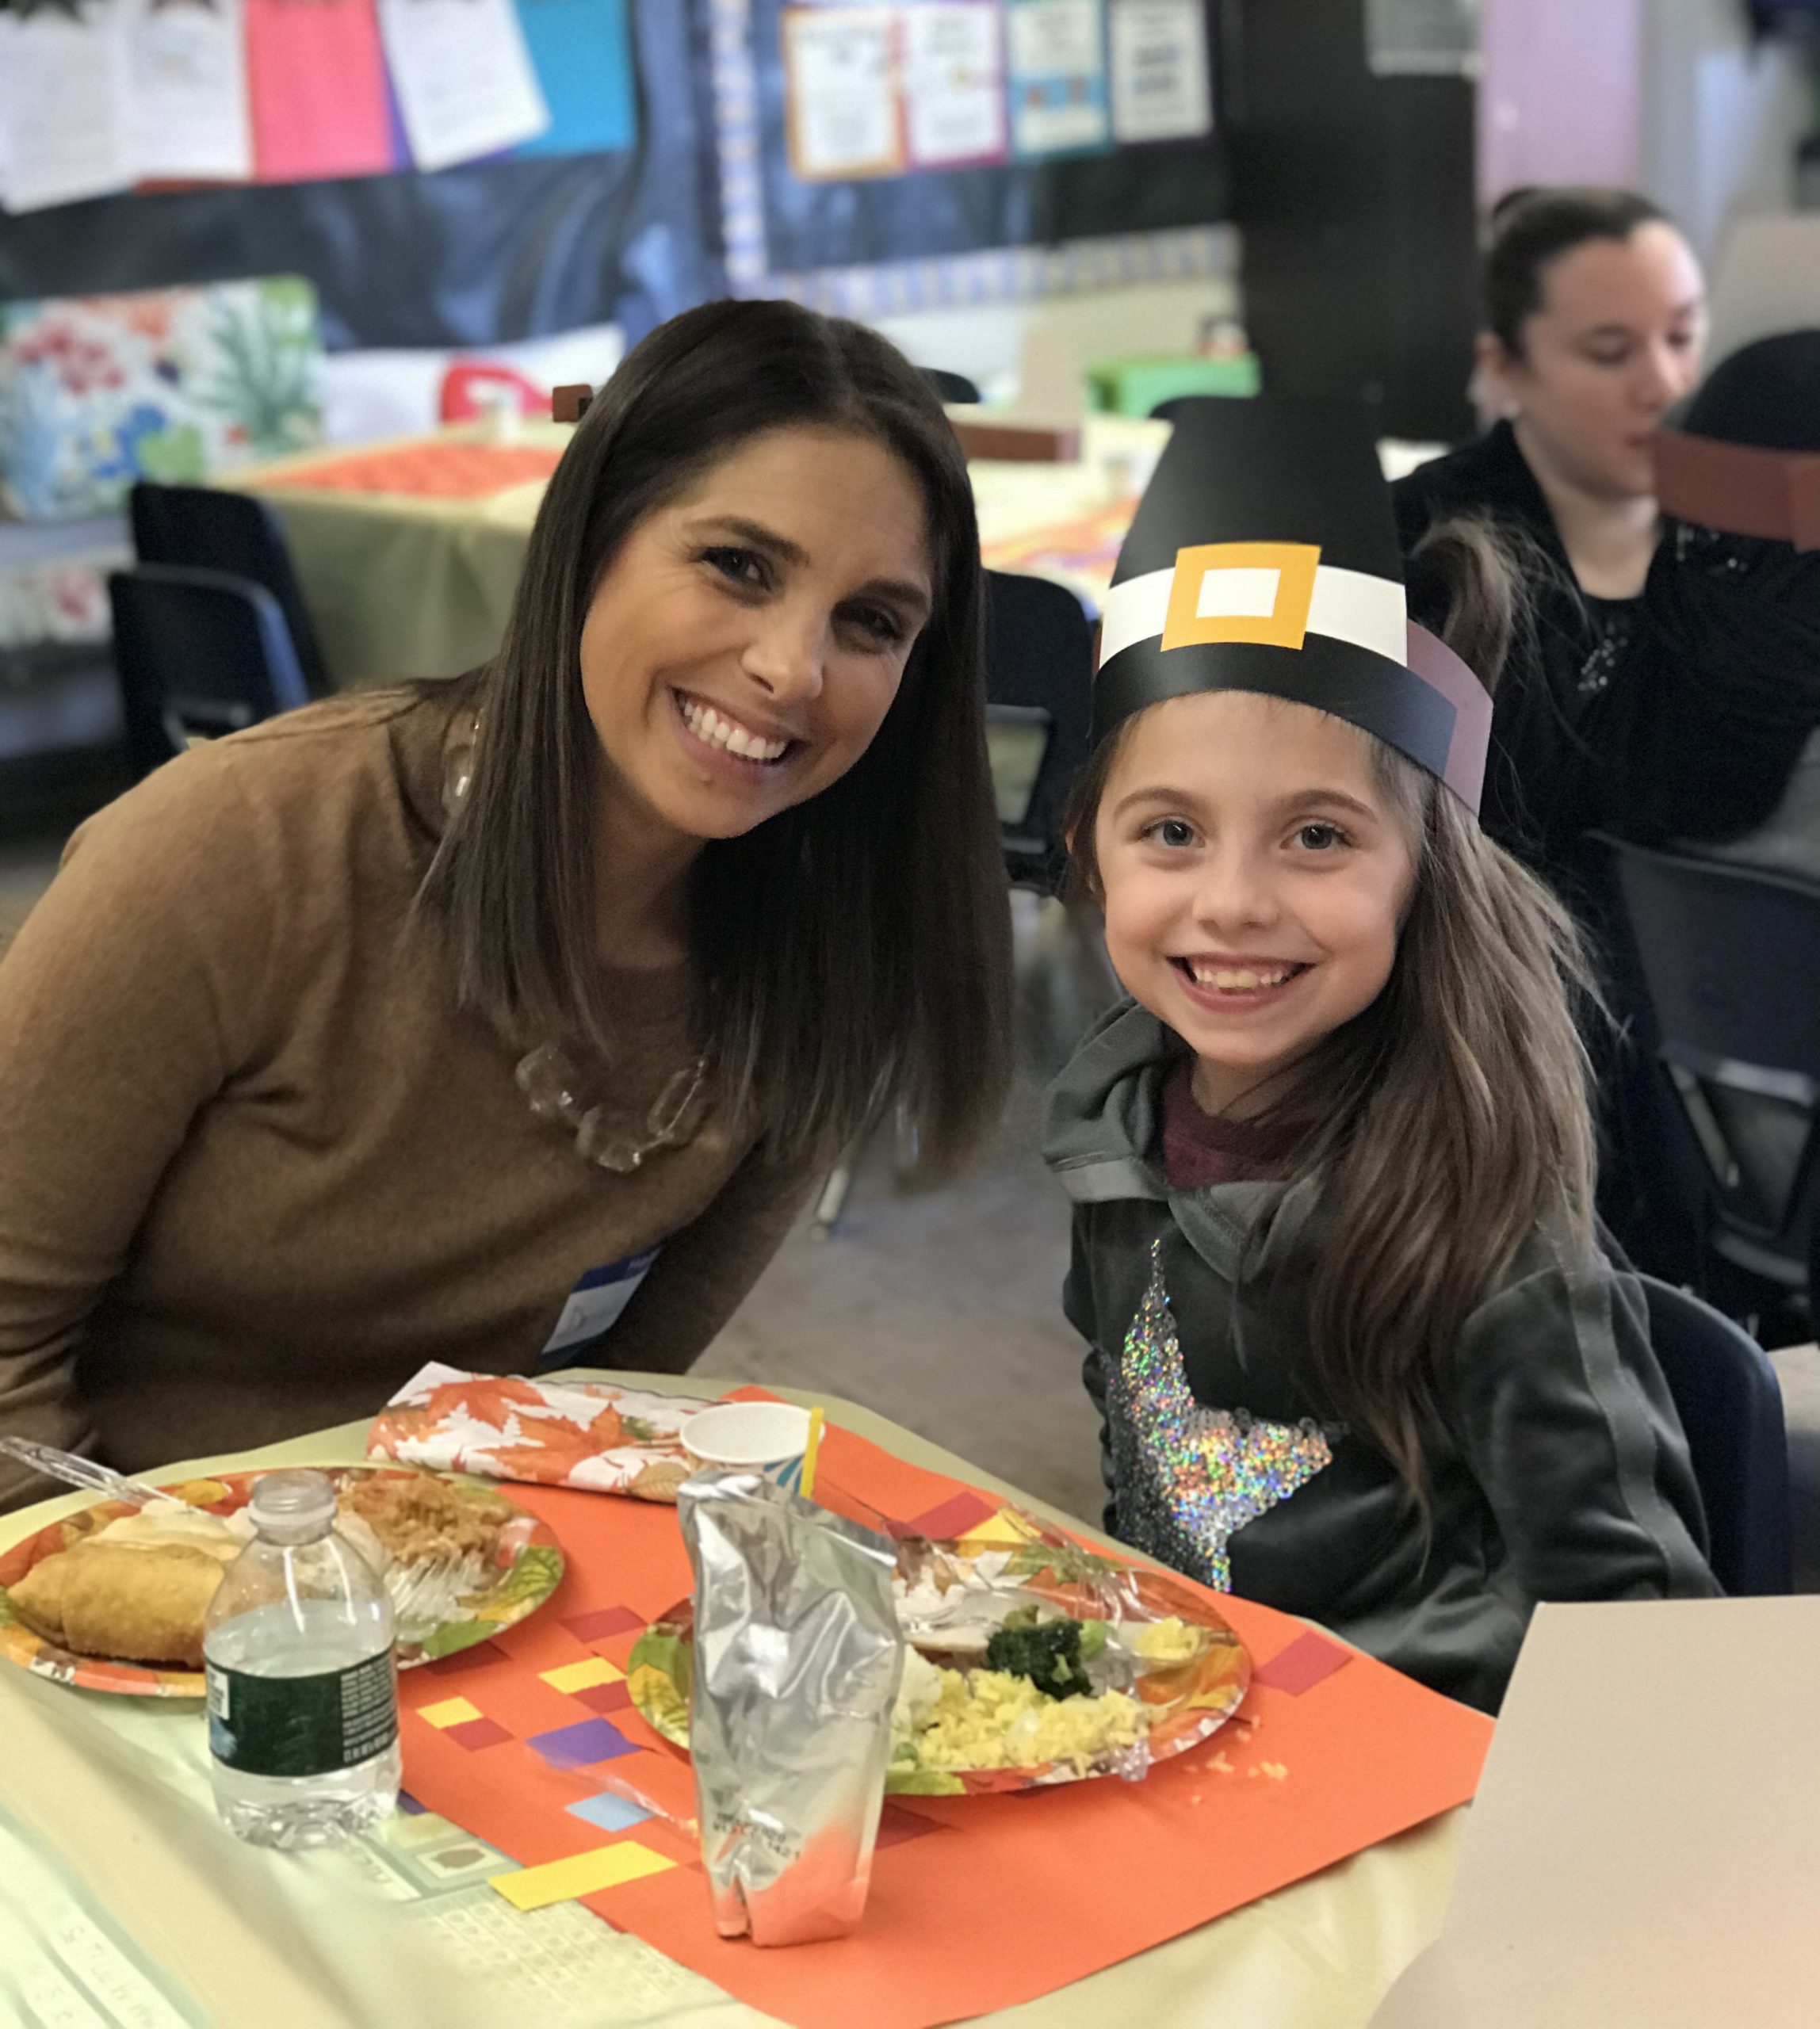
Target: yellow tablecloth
[(116, 1882), (405, 585)]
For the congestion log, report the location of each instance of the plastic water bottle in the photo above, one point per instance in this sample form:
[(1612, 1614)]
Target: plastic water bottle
[(303, 1692)]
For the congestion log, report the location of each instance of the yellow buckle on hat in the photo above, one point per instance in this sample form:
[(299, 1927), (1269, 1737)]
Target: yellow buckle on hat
[(1242, 592)]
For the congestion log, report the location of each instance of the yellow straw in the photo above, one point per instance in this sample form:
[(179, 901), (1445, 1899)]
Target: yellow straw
[(809, 1451)]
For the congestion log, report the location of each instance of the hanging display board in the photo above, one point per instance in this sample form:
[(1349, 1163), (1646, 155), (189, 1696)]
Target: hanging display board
[(889, 133), (579, 212)]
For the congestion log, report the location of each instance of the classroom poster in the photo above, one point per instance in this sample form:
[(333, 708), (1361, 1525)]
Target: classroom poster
[(953, 84), (581, 52), (840, 67), (315, 76), (66, 113), (190, 117), (1058, 60), (1161, 89), (463, 73)]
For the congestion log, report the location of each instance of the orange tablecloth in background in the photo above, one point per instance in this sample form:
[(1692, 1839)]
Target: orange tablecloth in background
[(433, 468)]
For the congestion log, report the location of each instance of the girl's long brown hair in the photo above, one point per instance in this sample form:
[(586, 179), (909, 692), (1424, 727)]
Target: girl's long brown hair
[(1450, 1119), (852, 951)]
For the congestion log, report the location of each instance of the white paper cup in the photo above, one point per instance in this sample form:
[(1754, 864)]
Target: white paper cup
[(760, 1437)]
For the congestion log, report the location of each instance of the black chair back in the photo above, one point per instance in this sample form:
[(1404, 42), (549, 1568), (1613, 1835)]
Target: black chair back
[(1731, 1407), (1724, 960), (200, 527), (1039, 714), (950, 387), (200, 654)]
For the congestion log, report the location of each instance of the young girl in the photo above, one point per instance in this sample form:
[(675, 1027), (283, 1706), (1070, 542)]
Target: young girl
[(1357, 1349)]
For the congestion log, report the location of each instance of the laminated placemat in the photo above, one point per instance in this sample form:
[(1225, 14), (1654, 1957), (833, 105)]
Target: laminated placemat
[(535, 1745)]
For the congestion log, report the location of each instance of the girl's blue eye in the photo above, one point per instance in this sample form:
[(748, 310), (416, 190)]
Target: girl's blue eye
[(1173, 832), (1319, 838)]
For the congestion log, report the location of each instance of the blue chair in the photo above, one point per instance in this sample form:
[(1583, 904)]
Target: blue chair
[(204, 528), (1730, 1406), (199, 654)]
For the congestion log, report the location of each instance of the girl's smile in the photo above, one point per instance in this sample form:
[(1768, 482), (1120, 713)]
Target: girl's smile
[(1255, 872)]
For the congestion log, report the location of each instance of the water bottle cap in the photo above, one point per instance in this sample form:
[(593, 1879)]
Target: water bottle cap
[(295, 1504)]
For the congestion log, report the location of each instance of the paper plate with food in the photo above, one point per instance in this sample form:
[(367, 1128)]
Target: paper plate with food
[(112, 1598), (1028, 1661)]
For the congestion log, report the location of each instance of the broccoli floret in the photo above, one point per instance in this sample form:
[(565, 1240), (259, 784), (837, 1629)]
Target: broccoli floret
[(1049, 1654)]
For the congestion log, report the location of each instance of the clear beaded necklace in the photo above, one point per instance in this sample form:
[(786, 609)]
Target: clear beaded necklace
[(615, 1138)]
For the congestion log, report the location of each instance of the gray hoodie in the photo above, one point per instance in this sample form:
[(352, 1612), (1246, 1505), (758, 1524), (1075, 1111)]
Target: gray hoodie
[(1557, 1470)]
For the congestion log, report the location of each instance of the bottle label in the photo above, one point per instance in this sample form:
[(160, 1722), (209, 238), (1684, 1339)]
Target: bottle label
[(310, 1725)]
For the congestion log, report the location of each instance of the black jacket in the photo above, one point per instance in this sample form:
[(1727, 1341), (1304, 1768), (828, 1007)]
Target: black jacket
[(1559, 1472), (1542, 783)]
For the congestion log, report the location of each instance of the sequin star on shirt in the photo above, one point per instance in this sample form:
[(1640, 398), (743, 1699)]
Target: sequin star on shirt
[(1190, 1477)]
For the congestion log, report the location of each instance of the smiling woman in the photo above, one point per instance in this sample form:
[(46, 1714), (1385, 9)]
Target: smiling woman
[(504, 1022)]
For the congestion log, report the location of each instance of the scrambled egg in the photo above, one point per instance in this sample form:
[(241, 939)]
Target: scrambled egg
[(1168, 1641), (986, 1719)]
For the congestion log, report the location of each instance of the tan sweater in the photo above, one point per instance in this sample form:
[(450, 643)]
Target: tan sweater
[(255, 1166)]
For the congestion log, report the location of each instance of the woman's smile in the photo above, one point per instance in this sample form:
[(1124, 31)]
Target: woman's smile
[(746, 643)]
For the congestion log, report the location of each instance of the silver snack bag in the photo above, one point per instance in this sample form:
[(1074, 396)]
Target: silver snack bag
[(797, 1659)]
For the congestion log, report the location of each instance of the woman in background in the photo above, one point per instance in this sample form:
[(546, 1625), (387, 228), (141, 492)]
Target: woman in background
[(1595, 320)]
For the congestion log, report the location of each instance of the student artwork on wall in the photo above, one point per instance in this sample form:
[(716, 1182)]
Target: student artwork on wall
[(581, 52), (99, 96), (1161, 91), (842, 66), (876, 91), (188, 79), (1058, 77), (66, 113)]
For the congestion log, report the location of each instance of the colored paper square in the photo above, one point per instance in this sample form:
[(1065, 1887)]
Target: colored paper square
[(607, 1621), (966, 1510), (575, 1747), (581, 1676), (478, 1733), (451, 1711), (479, 1657), (1003, 1532), (1308, 1661), (586, 1873), (605, 1697), (1198, 611), (610, 1813)]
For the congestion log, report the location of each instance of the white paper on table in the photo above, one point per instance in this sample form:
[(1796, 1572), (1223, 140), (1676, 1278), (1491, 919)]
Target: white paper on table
[(1644, 1850), (187, 67), (954, 82), (840, 63), (463, 73), (1160, 86), (66, 112), (1058, 46)]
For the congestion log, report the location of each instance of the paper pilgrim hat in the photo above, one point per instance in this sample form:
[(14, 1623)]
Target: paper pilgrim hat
[(1264, 556)]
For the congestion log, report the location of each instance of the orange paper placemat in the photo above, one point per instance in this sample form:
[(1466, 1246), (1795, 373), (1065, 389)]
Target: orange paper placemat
[(447, 471), (978, 1902)]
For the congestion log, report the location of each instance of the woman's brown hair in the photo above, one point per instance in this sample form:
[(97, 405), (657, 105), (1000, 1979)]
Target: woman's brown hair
[(852, 953), (1450, 1119)]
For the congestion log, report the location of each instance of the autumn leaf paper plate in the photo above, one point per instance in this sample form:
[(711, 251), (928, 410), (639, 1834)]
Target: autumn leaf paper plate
[(1031, 1660), (461, 1562)]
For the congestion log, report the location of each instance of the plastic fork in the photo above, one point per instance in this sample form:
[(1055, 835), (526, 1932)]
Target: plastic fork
[(84, 1473)]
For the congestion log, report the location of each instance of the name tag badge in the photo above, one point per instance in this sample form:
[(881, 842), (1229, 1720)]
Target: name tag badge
[(596, 1301)]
